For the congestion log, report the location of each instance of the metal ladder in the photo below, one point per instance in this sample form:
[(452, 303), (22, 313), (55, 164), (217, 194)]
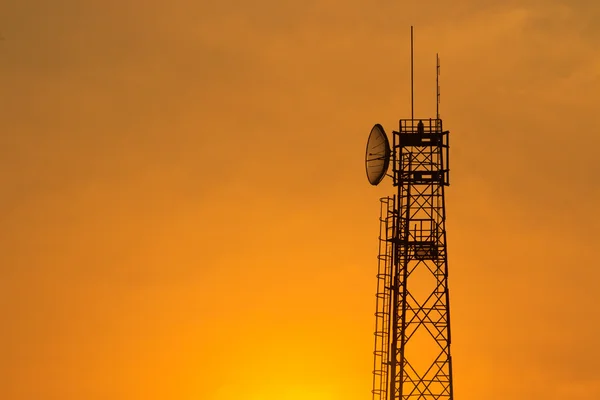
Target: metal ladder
[(387, 222)]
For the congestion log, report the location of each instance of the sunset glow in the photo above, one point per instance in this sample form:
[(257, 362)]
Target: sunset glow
[(185, 212)]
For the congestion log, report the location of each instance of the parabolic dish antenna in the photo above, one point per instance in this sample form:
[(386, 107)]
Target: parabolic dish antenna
[(377, 158)]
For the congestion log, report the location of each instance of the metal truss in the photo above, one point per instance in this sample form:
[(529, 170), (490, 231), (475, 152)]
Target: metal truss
[(412, 331)]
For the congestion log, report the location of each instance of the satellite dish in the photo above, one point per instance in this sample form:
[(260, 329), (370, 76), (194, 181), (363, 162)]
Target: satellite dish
[(377, 158)]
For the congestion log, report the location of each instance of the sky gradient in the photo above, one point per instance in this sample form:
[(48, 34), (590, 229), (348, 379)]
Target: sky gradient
[(185, 213)]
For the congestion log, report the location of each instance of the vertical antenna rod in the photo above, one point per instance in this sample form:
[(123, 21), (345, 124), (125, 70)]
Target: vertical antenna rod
[(437, 85), (412, 95)]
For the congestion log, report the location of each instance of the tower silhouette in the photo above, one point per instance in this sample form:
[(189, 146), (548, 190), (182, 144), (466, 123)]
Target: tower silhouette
[(412, 357)]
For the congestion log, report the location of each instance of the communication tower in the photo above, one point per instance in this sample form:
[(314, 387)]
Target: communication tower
[(412, 328)]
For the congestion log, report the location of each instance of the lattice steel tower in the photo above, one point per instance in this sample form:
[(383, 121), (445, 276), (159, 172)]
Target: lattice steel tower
[(412, 329)]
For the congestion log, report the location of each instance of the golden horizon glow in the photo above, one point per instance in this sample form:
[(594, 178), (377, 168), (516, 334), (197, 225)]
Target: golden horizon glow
[(185, 212)]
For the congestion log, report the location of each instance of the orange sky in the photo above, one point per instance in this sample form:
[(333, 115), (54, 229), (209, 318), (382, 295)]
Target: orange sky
[(185, 213)]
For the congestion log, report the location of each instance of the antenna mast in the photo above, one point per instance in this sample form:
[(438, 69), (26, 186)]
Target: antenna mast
[(412, 96), (437, 85)]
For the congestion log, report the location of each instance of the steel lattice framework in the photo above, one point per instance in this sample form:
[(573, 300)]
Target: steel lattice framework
[(412, 332)]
